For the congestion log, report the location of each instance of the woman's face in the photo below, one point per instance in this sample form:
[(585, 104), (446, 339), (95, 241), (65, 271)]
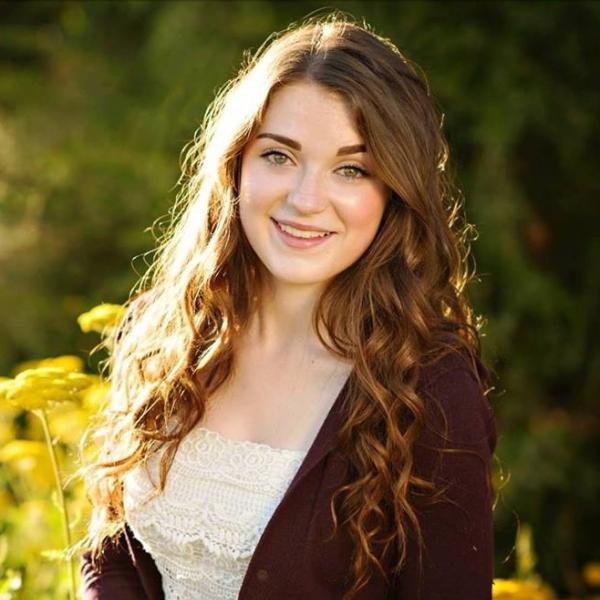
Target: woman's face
[(307, 168)]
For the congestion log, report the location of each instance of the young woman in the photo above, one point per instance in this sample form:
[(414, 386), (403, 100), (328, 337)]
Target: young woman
[(298, 405)]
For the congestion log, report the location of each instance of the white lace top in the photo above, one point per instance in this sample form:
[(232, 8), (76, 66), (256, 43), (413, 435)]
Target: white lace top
[(219, 496)]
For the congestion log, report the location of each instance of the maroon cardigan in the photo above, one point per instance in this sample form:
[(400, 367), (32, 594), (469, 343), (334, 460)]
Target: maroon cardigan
[(291, 560)]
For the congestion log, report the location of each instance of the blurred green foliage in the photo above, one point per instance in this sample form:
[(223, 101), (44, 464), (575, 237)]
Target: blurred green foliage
[(97, 100)]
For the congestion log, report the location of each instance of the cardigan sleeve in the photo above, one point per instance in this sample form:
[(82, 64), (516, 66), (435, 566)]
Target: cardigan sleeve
[(116, 575), (458, 553)]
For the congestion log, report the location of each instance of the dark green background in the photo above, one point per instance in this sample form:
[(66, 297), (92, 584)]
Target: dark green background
[(98, 98)]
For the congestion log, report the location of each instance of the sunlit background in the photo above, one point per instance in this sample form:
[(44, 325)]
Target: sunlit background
[(97, 100)]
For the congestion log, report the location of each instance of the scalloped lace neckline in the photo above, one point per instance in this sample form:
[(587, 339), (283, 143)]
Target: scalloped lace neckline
[(247, 443)]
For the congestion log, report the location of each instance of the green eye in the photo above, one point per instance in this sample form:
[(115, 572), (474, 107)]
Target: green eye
[(275, 154), (358, 172), (275, 157)]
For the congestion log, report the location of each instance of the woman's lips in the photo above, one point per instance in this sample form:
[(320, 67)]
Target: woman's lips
[(298, 242)]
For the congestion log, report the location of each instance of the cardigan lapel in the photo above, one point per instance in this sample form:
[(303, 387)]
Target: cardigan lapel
[(323, 443)]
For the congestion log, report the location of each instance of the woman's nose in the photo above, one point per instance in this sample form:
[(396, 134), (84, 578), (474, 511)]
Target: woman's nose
[(308, 194)]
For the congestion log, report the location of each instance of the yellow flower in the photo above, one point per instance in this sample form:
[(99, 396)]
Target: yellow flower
[(516, 589), (526, 557), (591, 574), (101, 317), (7, 430), (44, 387), (29, 459), (7, 414), (68, 424), (17, 450), (66, 362), (5, 384), (94, 397)]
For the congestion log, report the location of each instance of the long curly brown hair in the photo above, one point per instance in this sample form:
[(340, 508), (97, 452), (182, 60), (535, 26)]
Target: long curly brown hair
[(404, 297)]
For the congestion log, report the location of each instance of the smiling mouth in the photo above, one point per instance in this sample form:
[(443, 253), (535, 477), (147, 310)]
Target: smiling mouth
[(301, 233)]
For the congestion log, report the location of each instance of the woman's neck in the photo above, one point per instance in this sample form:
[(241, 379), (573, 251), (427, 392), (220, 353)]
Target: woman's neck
[(282, 322)]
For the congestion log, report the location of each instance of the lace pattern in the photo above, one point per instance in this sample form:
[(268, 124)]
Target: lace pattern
[(219, 496)]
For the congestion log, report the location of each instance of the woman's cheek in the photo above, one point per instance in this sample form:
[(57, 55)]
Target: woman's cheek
[(363, 211), (263, 188)]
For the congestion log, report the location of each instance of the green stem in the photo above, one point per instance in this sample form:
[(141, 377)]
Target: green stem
[(61, 497)]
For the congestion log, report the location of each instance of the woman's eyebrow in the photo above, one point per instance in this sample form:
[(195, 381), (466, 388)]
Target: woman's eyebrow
[(296, 145)]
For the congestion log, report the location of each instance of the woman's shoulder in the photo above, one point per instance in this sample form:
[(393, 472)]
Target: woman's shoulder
[(452, 389), (452, 363)]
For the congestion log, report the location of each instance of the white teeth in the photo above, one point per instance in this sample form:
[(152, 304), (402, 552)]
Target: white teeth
[(301, 233)]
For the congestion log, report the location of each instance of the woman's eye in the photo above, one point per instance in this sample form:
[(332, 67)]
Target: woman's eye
[(275, 157), (348, 171), (355, 172)]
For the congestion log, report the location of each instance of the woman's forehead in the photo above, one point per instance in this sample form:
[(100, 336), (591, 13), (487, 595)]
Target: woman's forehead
[(307, 109)]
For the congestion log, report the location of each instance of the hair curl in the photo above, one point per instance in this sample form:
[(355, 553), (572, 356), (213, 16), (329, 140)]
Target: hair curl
[(404, 297)]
